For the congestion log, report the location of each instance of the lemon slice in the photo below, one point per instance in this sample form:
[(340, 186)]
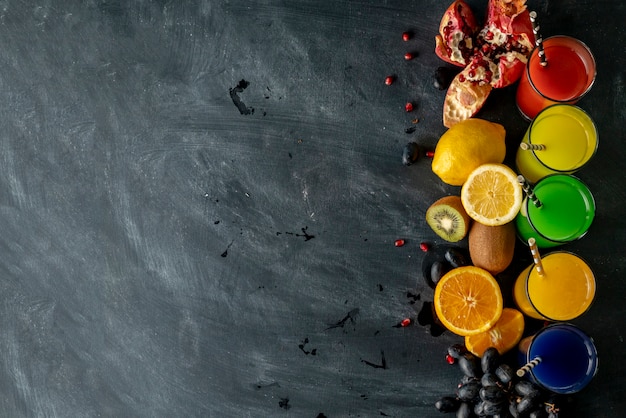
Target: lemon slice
[(492, 195)]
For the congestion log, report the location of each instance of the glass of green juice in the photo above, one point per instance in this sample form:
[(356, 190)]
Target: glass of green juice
[(561, 139), (566, 212), (564, 291)]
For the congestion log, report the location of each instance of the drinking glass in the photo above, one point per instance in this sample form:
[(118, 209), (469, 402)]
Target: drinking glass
[(568, 75)]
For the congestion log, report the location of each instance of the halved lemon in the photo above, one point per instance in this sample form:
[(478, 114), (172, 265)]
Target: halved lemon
[(492, 194), (468, 300), (504, 335)]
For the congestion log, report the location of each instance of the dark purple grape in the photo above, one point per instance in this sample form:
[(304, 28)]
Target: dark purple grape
[(524, 387), (505, 373), (456, 258), (492, 408), (437, 270), (469, 391), (457, 350), (490, 360), (493, 394), (470, 365), (464, 411), (529, 402), (443, 77), (538, 413), (447, 404), (489, 379), (410, 154), (513, 410)]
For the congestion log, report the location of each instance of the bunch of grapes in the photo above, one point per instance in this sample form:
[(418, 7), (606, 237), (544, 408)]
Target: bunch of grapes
[(490, 388)]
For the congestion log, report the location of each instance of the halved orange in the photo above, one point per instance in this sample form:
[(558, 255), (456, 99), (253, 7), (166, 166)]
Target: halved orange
[(468, 300), (504, 335), (492, 194)]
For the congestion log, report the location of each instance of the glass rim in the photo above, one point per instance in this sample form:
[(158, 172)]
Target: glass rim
[(534, 228), (535, 55), (592, 367), (531, 300), (577, 109)]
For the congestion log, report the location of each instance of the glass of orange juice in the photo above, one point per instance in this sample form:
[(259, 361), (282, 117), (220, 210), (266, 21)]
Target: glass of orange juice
[(564, 291), (561, 139), (568, 74)]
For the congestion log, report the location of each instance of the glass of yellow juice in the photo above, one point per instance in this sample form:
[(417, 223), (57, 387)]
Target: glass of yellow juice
[(561, 139), (564, 291)]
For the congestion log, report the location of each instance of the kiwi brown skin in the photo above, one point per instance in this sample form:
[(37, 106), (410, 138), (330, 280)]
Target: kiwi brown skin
[(492, 247), (448, 218)]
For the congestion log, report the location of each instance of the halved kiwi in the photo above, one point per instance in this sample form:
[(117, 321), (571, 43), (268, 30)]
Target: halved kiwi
[(448, 218)]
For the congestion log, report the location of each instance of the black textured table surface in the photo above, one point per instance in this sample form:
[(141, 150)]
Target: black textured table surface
[(199, 203)]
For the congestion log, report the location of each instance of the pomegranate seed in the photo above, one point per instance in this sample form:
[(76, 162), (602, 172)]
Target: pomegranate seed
[(408, 56), (389, 80), (399, 242), (489, 35), (424, 246), (450, 359), (471, 73), (405, 322), (461, 78), (430, 154), (406, 36), (408, 107)]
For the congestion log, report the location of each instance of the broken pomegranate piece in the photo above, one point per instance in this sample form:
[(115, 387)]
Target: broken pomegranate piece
[(493, 57)]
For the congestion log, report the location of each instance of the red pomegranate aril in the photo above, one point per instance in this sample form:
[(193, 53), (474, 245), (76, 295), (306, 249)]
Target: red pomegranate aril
[(430, 154), (406, 36), (389, 80), (424, 246), (405, 322), (399, 242), (408, 56), (461, 78), (450, 359), (408, 107), (471, 73)]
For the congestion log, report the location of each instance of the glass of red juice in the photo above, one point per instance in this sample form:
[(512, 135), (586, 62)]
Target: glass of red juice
[(569, 74), (569, 359)]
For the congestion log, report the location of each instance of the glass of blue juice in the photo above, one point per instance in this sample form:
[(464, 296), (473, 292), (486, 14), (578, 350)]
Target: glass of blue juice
[(569, 359)]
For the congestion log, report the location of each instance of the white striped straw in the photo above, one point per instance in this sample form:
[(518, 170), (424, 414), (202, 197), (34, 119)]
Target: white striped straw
[(526, 367), (537, 147), (535, 253)]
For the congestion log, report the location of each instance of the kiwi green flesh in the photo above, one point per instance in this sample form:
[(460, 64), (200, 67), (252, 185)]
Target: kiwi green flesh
[(446, 222)]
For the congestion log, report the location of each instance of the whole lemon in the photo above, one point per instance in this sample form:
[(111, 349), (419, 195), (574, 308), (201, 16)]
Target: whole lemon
[(465, 146)]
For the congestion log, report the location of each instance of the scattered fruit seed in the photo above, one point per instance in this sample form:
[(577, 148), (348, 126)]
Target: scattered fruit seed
[(399, 242), (389, 80), (430, 154), (408, 56), (406, 322), (414, 121), (450, 359), (424, 246), (406, 36), (408, 107)]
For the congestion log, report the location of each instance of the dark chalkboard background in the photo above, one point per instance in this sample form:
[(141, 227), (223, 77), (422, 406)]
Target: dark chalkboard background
[(199, 202)]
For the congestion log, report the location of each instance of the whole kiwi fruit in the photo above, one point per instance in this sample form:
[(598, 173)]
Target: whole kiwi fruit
[(492, 247)]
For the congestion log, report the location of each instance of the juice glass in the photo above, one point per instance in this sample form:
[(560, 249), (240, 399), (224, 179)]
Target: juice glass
[(565, 290), (569, 358), (569, 74), (566, 212), (569, 139)]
